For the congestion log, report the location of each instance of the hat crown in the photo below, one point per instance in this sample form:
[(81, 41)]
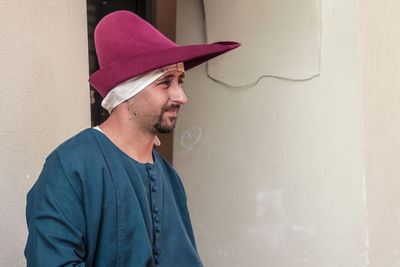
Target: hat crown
[(123, 34)]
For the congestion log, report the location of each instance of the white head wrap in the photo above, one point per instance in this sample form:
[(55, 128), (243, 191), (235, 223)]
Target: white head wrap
[(133, 86)]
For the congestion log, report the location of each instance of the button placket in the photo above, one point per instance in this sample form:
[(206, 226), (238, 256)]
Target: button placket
[(155, 212)]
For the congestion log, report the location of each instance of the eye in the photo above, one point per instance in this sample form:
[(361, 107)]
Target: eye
[(164, 82)]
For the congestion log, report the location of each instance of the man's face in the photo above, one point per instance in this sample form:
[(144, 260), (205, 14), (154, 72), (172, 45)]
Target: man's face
[(156, 107)]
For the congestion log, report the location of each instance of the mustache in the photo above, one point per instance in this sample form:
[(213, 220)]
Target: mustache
[(170, 107)]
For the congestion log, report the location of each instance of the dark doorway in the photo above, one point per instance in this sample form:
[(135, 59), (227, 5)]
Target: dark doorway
[(96, 10), (161, 14)]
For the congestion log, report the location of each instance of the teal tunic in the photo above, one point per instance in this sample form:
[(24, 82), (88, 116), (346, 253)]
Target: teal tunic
[(93, 205)]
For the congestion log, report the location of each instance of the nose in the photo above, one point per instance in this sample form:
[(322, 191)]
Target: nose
[(178, 95)]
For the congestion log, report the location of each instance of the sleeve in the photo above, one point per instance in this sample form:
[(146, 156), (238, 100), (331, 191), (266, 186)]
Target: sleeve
[(56, 221)]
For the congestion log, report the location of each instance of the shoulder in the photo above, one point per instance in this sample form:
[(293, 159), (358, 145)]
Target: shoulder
[(174, 179), (80, 154), (81, 151), (167, 166), (74, 163), (57, 167), (81, 143)]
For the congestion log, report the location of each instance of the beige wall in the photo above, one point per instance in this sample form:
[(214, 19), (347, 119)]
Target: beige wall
[(380, 57), (44, 99), (275, 173)]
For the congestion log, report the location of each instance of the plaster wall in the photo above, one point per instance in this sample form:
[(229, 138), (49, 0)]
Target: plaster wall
[(44, 98), (380, 58), (275, 173)]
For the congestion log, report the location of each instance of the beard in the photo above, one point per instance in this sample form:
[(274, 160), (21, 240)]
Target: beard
[(163, 125)]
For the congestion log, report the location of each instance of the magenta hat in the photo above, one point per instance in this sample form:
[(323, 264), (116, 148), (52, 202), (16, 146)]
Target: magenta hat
[(128, 46)]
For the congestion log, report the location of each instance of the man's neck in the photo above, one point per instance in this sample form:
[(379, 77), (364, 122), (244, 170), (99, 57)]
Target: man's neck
[(128, 137)]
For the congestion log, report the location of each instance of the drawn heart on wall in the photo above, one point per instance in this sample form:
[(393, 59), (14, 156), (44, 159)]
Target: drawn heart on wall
[(190, 138)]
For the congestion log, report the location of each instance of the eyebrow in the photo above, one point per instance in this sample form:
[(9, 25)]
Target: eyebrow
[(172, 76)]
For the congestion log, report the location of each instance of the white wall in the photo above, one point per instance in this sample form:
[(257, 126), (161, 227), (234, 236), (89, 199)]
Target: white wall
[(44, 98), (380, 57), (277, 176)]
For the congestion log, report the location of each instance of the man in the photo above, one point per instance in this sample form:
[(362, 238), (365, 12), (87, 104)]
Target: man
[(105, 197)]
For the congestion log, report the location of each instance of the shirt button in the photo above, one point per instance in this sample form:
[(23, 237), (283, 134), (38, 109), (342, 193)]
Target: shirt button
[(157, 252), (156, 260), (152, 178), (156, 219), (155, 209), (158, 229), (154, 189)]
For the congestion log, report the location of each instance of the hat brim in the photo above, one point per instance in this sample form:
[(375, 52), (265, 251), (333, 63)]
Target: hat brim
[(107, 77)]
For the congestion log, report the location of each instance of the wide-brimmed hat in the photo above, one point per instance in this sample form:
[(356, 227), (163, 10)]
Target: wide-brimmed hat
[(127, 46)]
